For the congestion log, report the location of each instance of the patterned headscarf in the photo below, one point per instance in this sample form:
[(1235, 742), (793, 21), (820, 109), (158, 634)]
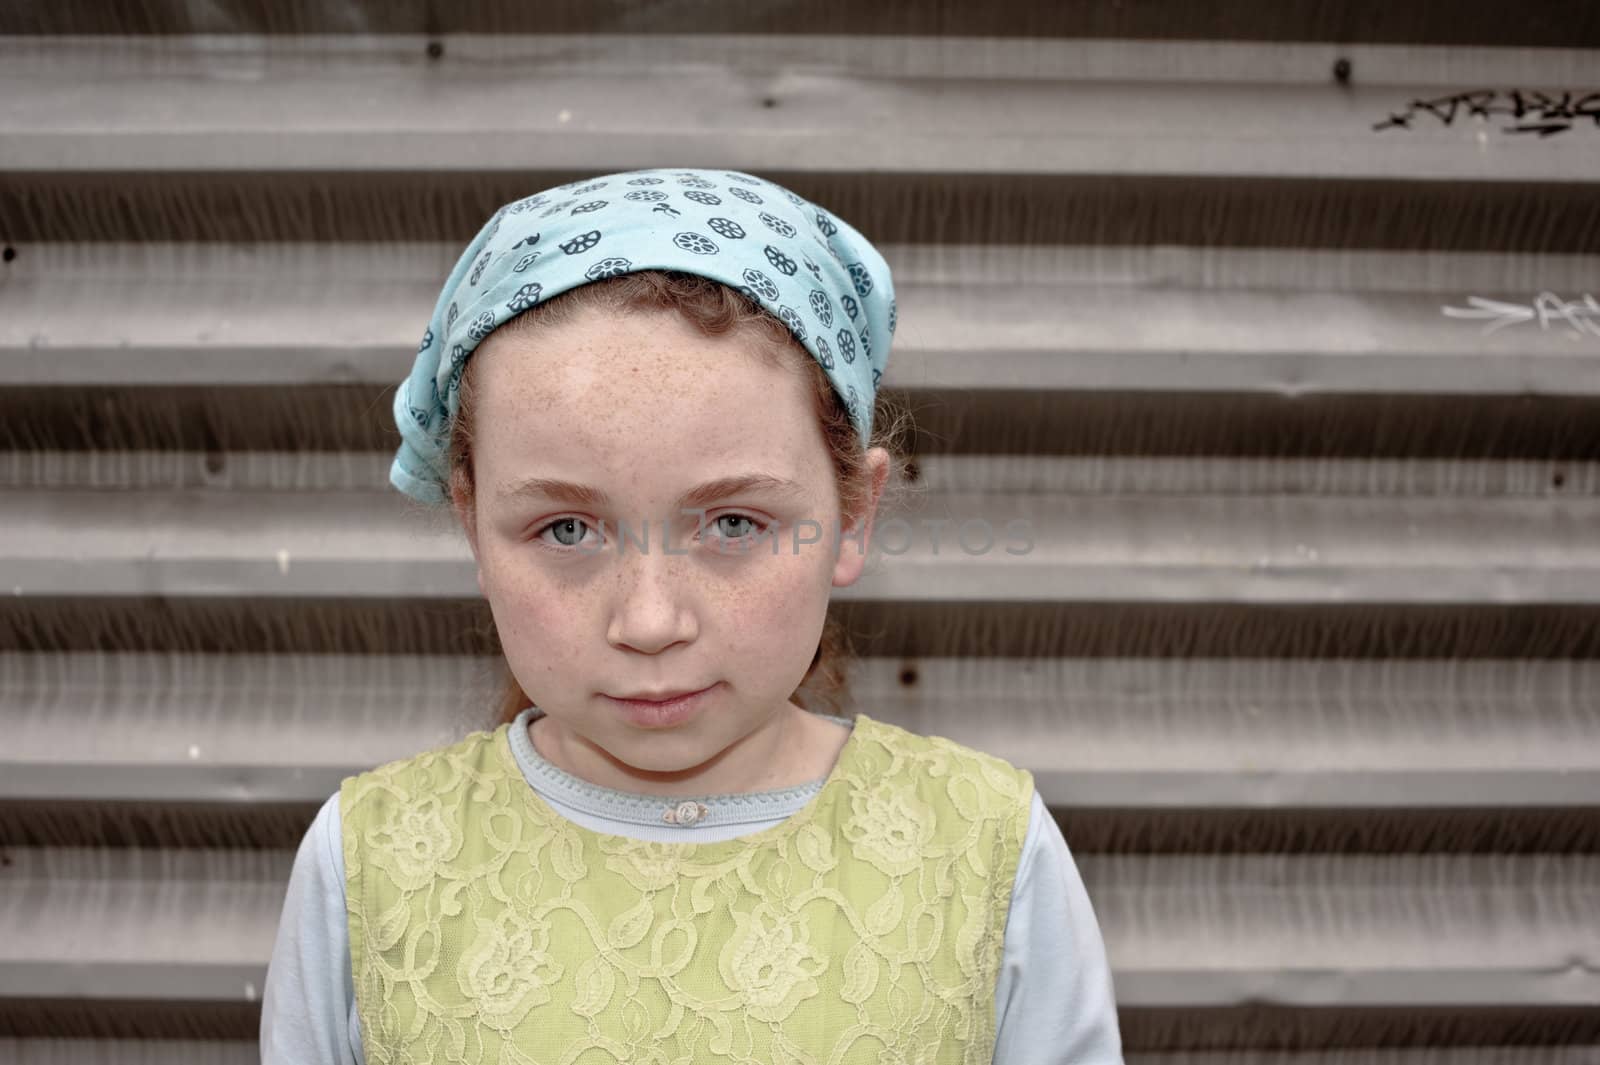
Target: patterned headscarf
[(806, 266)]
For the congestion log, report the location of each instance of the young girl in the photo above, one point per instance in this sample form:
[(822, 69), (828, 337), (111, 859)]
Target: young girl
[(665, 858)]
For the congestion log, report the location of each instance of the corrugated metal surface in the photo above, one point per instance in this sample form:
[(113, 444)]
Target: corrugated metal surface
[(1279, 323)]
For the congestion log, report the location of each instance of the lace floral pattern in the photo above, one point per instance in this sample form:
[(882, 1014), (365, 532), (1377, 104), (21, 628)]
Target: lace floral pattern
[(769, 960), (487, 929), (508, 970), (413, 842), (890, 826)]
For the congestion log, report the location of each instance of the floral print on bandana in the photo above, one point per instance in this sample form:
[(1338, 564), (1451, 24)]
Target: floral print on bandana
[(743, 231)]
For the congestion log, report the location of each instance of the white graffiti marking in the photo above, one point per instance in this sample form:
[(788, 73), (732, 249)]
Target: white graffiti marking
[(1582, 314)]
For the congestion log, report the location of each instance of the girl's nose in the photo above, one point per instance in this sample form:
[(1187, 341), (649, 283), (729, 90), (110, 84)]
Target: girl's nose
[(653, 607)]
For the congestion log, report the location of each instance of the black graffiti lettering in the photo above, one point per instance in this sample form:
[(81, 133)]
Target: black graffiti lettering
[(1543, 129), (1443, 108), (1479, 103), (1534, 110)]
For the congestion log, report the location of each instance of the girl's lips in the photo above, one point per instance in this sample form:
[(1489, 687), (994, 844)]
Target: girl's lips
[(643, 713), (641, 698)]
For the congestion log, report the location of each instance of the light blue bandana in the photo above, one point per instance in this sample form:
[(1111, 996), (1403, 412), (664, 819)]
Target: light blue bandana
[(807, 267)]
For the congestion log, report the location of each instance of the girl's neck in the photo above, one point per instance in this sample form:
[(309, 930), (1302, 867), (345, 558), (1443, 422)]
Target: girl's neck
[(798, 747)]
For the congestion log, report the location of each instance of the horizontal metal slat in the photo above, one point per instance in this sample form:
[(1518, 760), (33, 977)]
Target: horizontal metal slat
[(301, 315), (1189, 931), (1096, 733), (227, 104), (40, 207), (955, 548), (144, 1052), (186, 925), (225, 728), (307, 315), (953, 57), (1558, 24), (247, 1052), (1327, 930), (1104, 474), (1431, 1055), (292, 268), (1242, 733)]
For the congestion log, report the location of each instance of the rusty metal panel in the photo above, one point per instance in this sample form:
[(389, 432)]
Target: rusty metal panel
[(1288, 354)]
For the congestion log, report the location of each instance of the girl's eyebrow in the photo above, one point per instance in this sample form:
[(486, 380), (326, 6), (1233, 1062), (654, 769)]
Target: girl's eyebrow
[(701, 495)]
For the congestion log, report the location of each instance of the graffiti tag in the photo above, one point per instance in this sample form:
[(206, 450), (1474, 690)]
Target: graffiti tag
[(1581, 315), (1534, 111)]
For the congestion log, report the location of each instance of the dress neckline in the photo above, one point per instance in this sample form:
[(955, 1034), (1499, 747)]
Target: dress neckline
[(649, 809)]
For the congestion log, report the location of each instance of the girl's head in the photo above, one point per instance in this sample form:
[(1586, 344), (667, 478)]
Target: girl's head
[(637, 392), (662, 467)]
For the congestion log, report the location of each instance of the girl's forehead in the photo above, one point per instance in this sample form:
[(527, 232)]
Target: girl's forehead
[(639, 474), (599, 364), (656, 398)]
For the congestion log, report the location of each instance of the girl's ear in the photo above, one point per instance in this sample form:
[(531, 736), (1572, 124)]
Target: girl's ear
[(857, 539)]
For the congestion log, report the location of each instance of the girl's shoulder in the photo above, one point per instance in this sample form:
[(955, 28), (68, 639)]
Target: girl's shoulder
[(432, 770), (935, 760)]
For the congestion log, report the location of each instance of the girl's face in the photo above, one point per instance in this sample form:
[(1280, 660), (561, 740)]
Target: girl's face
[(611, 421)]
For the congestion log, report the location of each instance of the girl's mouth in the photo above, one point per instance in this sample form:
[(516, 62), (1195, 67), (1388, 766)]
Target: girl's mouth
[(662, 713)]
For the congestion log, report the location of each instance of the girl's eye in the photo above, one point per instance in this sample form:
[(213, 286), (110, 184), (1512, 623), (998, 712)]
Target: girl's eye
[(726, 530), (739, 527), (568, 532)]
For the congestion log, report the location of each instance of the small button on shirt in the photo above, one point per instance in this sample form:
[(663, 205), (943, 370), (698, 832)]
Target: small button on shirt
[(685, 813)]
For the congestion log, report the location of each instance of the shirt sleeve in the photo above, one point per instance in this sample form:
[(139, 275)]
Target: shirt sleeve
[(308, 1012), (1054, 1002)]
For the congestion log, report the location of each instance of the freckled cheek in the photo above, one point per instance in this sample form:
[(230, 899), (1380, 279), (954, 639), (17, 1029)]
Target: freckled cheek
[(768, 605), (536, 613)]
